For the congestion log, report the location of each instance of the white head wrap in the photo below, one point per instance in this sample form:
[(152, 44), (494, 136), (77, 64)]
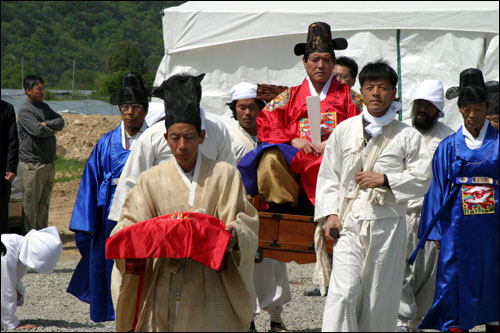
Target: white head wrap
[(243, 90), (376, 123), (40, 250), (432, 91)]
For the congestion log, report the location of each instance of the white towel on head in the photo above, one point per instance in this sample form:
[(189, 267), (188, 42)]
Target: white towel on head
[(41, 249), (243, 90), (432, 91), (376, 123)]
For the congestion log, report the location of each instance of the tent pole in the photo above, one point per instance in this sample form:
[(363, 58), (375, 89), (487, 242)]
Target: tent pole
[(400, 95)]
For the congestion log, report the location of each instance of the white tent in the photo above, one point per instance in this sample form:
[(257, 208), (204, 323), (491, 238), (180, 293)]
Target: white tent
[(253, 41)]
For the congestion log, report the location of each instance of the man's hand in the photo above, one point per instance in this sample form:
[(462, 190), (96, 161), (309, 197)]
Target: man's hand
[(44, 123), (234, 237), (369, 179), (10, 176), (25, 327), (332, 223), (305, 146), (438, 244)]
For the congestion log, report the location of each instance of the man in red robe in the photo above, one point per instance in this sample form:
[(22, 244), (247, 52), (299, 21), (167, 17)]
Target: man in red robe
[(289, 163)]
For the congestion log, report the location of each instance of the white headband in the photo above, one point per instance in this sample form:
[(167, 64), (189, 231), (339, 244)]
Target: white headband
[(243, 90), (432, 91), (40, 250)]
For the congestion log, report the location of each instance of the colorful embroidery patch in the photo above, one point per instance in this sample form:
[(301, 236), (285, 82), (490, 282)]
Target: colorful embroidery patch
[(178, 216), (279, 101), (328, 123), (357, 99), (478, 199)]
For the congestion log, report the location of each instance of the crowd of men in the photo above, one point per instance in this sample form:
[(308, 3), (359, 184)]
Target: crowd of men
[(412, 207)]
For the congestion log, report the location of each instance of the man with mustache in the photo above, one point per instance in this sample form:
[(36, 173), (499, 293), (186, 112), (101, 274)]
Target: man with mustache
[(91, 280), (283, 127), (460, 211), (372, 165), (420, 278)]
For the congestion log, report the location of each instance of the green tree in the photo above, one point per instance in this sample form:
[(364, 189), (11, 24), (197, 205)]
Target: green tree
[(127, 57)]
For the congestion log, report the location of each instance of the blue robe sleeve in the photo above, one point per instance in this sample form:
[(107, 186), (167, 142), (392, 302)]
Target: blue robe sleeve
[(86, 212), (438, 191)]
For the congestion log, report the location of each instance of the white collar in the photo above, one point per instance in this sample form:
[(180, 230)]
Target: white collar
[(376, 123), (475, 143), (324, 91), (133, 138), (191, 185)]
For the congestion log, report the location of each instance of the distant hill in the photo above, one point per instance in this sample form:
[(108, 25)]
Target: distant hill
[(50, 35)]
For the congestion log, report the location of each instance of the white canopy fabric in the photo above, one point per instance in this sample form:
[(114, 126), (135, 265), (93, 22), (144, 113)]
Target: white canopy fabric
[(253, 42)]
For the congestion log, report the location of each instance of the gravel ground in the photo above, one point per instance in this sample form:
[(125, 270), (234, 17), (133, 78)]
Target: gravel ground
[(52, 309)]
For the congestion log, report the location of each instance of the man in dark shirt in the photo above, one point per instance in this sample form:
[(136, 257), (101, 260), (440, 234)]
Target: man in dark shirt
[(37, 126), (9, 156)]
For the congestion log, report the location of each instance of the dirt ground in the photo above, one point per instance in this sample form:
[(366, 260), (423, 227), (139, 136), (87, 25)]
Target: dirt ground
[(76, 140)]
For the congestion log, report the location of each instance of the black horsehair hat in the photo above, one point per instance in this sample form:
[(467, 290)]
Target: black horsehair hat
[(132, 90), (319, 39), (472, 88), (182, 94)]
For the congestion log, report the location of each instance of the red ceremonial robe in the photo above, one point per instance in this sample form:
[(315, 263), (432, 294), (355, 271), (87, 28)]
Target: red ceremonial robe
[(285, 118)]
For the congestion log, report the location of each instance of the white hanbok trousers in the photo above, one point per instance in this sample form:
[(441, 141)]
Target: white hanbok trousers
[(367, 275), (271, 288), (419, 282)]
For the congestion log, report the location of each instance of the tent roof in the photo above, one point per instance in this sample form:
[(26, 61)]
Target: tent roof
[(199, 24)]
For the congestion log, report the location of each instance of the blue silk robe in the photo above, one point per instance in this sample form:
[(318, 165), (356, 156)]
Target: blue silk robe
[(92, 277), (467, 285)]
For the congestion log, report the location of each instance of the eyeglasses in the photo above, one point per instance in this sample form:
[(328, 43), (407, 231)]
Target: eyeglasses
[(134, 107)]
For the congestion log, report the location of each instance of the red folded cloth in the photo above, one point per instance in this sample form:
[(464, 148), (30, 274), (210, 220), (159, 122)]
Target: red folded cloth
[(196, 236)]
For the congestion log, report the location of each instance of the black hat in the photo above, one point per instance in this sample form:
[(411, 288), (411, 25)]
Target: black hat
[(132, 90), (471, 89), (493, 89), (182, 94), (319, 39)]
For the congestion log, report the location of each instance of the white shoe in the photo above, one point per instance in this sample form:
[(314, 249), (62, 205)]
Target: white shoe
[(402, 329)]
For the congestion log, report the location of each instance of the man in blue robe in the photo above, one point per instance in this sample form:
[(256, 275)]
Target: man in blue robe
[(92, 277), (460, 212)]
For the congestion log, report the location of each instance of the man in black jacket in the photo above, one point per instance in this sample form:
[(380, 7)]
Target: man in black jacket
[(9, 156), (37, 152)]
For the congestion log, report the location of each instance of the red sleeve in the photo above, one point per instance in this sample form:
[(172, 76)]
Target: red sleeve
[(273, 121)]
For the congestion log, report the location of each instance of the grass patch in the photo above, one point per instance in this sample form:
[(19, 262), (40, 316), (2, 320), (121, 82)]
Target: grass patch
[(68, 169)]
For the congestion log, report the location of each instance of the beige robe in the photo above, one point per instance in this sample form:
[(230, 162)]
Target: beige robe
[(242, 142), (209, 301)]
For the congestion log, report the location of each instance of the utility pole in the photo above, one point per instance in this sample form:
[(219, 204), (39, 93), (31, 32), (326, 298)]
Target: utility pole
[(73, 85)]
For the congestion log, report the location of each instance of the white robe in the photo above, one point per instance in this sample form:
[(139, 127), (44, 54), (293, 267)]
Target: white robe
[(369, 258), (241, 142), (419, 282), (12, 273), (151, 149), (271, 277)]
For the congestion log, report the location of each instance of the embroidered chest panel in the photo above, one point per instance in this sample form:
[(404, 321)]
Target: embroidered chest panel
[(478, 199)]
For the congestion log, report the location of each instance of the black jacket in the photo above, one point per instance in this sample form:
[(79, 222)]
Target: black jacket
[(9, 141)]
